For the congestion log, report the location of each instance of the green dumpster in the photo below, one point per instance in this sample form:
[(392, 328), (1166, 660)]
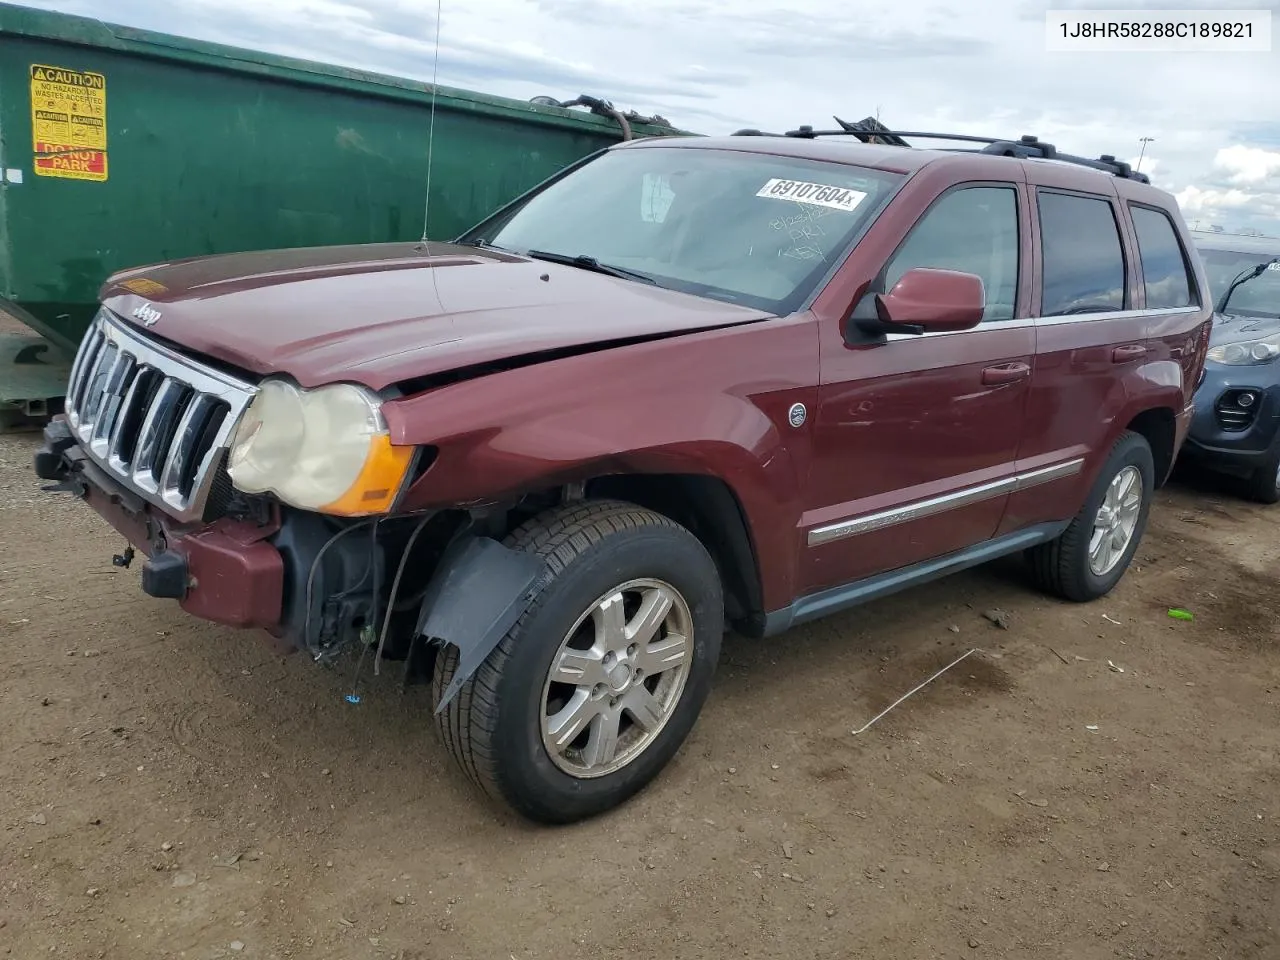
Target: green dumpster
[(121, 147)]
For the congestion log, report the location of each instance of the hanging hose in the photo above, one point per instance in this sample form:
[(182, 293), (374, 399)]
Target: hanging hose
[(604, 108)]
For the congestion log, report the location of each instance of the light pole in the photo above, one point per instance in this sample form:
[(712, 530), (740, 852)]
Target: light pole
[(1141, 153)]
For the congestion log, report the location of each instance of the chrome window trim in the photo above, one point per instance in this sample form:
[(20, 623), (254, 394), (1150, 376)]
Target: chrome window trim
[(1021, 322), (843, 529)]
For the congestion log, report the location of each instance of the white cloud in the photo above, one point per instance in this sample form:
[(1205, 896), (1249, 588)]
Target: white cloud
[(713, 66), (1248, 165), (1200, 201), (1240, 189)]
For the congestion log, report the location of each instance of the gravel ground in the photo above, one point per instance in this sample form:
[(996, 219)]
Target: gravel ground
[(1096, 782)]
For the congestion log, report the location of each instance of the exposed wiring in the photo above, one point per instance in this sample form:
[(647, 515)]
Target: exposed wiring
[(395, 588), (315, 565), (368, 568)]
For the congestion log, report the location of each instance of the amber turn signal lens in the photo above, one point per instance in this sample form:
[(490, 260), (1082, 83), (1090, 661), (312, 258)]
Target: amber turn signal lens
[(379, 481)]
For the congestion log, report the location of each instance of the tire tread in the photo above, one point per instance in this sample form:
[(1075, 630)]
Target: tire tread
[(559, 536), (1057, 567)]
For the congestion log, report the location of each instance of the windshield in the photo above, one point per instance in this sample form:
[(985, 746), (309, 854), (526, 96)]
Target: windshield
[(742, 227), (1259, 297)]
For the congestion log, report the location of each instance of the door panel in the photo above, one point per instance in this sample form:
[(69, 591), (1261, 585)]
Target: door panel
[(916, 437), (908, 421), (1088, 334)]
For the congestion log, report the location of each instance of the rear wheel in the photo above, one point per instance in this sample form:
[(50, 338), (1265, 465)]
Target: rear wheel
[(1088, 559), (595, 688)]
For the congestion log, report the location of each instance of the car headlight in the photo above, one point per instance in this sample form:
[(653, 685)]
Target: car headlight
[(1246, 352), (326, 449)]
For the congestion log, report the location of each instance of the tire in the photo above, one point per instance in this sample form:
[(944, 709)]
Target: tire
[(494, 726), (1263, 484), (1063, 566)]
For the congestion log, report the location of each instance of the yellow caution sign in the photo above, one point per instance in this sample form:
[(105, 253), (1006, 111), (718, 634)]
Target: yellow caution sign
[(69, 123)]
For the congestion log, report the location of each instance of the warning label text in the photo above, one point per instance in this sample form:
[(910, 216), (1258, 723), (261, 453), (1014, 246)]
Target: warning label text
[(69, 123)]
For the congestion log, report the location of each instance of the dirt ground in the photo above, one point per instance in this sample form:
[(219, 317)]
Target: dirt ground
[(171, 789)]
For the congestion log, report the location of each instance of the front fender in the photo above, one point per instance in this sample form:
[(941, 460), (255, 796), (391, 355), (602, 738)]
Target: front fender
[(712, 404)]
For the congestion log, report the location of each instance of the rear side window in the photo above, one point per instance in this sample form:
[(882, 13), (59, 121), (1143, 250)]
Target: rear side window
[(1164, 268), (973, 230), (1084, 270)]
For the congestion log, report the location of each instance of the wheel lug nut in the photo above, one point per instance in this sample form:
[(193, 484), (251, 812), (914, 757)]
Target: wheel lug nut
[(631, 650)]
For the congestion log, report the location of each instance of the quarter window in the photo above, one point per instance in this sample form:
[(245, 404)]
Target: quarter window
[(1084, 270), (973, 230), (1164, 268)]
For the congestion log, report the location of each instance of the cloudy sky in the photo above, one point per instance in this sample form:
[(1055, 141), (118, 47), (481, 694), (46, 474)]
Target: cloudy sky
[(713, 66)]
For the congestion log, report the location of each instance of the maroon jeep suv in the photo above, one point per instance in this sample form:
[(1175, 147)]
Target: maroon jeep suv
[(685, 385)]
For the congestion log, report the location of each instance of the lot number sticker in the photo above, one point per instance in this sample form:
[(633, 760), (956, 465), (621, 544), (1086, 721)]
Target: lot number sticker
[(69, 123), (837, 198)]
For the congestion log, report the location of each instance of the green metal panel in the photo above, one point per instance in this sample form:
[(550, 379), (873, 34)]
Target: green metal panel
[(212, 149)]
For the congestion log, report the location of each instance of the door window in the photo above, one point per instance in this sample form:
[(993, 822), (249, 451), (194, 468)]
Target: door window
[(1164, 268), (1084, 268), (973, 230)]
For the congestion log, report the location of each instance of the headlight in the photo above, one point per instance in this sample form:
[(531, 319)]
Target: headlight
[(1246, 352), (325, 449)]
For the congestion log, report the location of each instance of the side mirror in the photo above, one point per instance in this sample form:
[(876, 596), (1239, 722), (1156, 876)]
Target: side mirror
[(925, 300)]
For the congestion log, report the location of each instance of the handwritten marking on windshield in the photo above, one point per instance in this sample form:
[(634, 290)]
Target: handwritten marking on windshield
[(804, 231)]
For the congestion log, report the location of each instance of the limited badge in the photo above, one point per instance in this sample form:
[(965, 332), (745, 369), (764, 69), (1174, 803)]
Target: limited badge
[(796, 415)]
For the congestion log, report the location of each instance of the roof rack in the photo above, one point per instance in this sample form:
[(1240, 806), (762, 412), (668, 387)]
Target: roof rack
[(870, 130)]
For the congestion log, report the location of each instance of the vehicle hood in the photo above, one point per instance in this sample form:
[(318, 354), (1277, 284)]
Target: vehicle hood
[(386, 313), (1232, 329)]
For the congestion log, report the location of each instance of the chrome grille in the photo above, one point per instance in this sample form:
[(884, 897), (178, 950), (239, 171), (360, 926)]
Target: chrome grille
[(156, 421)]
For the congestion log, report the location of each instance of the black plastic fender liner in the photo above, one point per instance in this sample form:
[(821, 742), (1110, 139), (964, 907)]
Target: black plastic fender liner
[(478, 592)]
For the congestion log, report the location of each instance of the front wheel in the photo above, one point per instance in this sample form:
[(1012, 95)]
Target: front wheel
[(595, 688), (1088, 559)]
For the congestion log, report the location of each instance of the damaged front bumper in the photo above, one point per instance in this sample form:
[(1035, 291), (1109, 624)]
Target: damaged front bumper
[(281, 576), (226, 571)]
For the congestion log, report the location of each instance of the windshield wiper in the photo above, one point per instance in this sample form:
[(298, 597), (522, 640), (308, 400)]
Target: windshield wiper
[(1243, 278), (483, 244), (585, 262)]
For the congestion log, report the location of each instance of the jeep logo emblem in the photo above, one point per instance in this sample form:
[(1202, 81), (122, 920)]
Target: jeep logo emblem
[(147, 314)]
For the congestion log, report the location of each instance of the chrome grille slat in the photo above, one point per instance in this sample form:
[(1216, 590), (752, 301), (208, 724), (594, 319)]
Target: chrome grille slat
[(182, 449), (157, 422), (152, 435), (89, 355), (110, 406), (117, 459), (108, 366), (77, 367), (92, 395)]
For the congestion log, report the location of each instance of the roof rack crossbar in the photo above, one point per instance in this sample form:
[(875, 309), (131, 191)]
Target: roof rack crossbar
[(808, 133), (1026, 147)]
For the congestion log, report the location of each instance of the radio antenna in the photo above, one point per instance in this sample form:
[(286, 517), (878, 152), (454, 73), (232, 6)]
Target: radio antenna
[(431, 128)]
